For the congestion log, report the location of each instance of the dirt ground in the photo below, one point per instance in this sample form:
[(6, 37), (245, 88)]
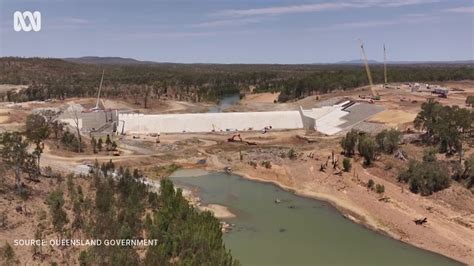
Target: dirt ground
[(157, 106), (266, 97), (4, 115), (23, 219), (393, 118), (9, 87)]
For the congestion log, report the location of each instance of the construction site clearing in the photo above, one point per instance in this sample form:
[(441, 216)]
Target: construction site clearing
[(396, 107), (303, 158), (330, 114)]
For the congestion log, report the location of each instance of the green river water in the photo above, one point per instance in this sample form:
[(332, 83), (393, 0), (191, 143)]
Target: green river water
[(297, 231)]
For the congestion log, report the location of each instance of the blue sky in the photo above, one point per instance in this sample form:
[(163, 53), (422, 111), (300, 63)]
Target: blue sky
[(243, 31)]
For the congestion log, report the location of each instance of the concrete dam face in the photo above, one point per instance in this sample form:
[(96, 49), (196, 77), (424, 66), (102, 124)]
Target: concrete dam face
[(328, 120), (208, 122)]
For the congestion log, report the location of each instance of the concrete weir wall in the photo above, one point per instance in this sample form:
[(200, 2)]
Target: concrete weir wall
[(206, 122)]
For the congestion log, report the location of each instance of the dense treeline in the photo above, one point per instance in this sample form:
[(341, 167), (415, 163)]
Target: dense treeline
[(124, 208), (445, 126), (446, 130), (54, 78), (386, 141), (427, 176)]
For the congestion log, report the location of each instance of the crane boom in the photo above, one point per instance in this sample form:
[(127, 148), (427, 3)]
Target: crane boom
[(385, 64), (98, 93), (369, 75)]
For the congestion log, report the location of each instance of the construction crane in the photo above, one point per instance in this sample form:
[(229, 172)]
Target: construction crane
[(96, 108), (375, 95), (385, 65)]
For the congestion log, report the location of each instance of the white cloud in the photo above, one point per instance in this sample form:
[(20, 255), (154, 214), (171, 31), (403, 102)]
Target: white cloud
[(462, 9), (279, 10), (309, 8), (406, 19), (76, 21), (394, 3), (227, 22)]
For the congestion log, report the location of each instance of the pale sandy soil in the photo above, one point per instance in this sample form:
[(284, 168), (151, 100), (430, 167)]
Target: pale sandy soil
[(3, 118), (157, 106), (192, 195), (393, 118), (265, 97), (219, 211), (116, 104), (5, 115), (10, 87)]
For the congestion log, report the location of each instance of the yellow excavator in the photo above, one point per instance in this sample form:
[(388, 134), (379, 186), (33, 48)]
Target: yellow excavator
[(375, 95)]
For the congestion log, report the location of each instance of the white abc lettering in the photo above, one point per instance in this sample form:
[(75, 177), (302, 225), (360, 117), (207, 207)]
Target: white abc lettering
[(19, 21)]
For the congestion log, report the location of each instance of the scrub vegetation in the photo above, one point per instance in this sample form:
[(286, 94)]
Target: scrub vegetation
[(445, 130)]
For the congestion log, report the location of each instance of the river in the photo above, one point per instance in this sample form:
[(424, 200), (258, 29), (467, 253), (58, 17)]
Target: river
[(298, 230)]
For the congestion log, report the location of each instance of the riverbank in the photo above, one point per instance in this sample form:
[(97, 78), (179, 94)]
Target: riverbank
[(443, 234), (192, 195)]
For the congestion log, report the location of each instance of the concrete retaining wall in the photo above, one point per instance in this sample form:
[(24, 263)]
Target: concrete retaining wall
[(206, 122), (308, 121)]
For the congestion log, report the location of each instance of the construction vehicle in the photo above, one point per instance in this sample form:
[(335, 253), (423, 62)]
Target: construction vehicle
[(386, 85), (238, 138), (97, 108), (441, 92), (233, 138), (420, 221), (156, 136), (375, 95)]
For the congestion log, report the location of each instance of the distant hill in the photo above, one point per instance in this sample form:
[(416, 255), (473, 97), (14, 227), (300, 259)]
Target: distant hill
[(357, 62), (98, 60), (107, 60), (375, 62)]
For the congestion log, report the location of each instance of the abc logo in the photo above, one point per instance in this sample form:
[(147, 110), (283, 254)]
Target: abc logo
[(27, 21)]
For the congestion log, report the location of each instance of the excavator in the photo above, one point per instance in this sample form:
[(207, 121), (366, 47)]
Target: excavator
[(238, 138), (375, 95), (235, 138)]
